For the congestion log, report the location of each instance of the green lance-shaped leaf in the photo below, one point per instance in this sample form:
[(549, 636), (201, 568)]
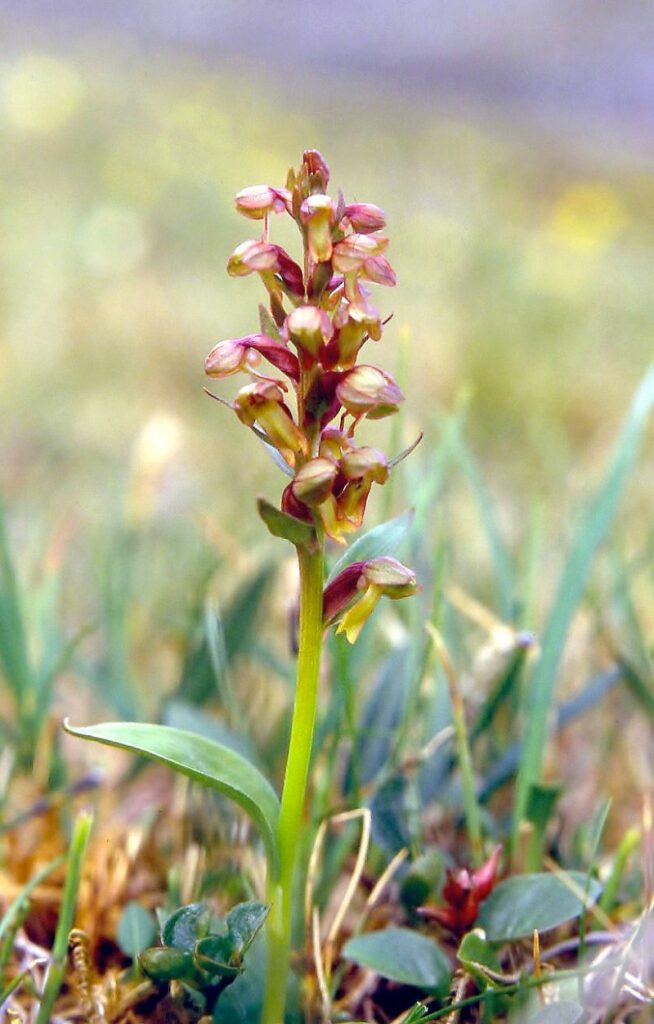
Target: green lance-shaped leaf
[(282, 525), (202, 760), (381, 541)]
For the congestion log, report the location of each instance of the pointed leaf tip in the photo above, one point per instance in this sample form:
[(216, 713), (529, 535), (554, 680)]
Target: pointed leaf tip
[(201, 759)]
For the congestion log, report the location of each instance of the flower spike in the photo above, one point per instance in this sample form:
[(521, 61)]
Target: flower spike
[(318, 319)]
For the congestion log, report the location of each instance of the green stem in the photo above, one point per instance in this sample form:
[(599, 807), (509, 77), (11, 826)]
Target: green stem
[(295, 781)]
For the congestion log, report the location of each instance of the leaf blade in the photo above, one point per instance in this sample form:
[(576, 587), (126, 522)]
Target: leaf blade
[(522, 904), (401, 955), (382, 540), (201, 760)]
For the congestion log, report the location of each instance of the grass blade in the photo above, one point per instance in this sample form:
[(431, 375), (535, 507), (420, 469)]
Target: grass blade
[(57, 968), (14, 657), (498, 552), (592, 531), (14, 907)]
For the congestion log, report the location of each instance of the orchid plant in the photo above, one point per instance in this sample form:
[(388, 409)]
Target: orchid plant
[(306, 395)]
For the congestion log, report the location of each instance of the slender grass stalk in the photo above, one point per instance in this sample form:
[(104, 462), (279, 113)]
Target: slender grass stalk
[(596, 838), (13, 986), (57, 968), (14, 918), (592, 531), (295, 780), (470, 805), (629, 842)]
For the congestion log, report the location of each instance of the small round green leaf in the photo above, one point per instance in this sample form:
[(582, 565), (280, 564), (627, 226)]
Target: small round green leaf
[(213, 956), (478, 958), (244, 923), (523, 904), (137, 929), (185, 926), (162, 963), (401, 955)]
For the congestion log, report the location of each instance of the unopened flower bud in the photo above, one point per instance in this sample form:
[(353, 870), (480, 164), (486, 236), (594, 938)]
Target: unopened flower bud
[(369, 390), (317, 212), (352, 251), (378, 270), (316, 167), (309, 328), (257, 200), (484, 878), (365, 217), (314, 481), (226, 358), (364, 462)]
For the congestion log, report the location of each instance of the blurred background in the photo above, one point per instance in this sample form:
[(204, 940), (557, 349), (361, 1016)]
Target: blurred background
[(509, 143)]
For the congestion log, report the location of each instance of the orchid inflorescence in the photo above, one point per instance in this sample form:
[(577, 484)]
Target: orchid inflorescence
[(319, 318)]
